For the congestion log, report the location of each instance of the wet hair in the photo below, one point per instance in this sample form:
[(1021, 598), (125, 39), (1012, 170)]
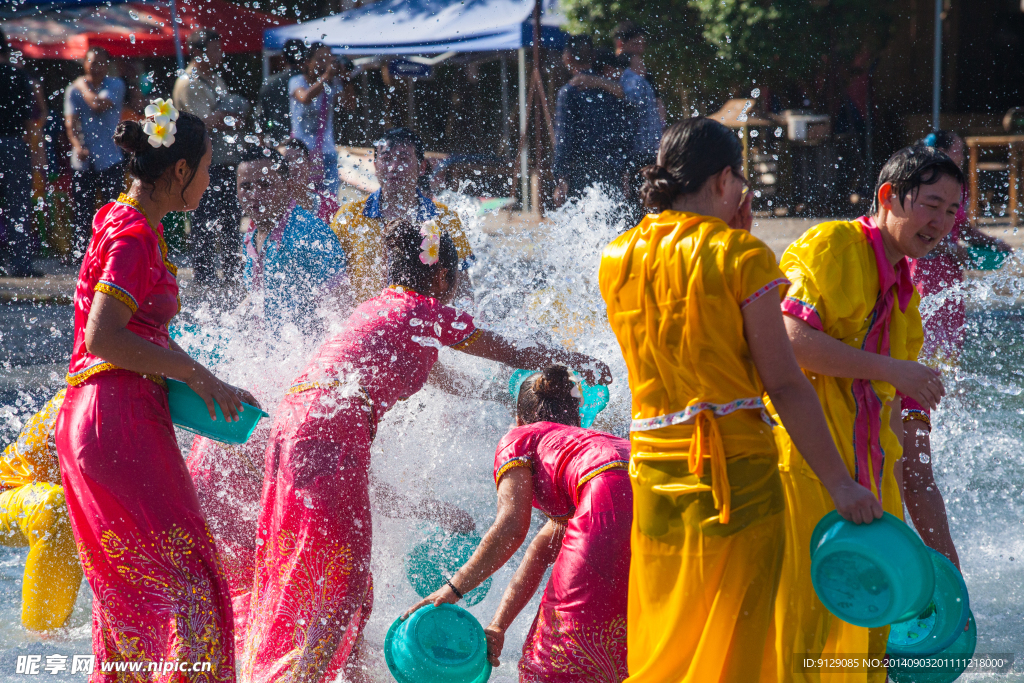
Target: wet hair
[(406, 136), (941, 139), (402, 240), (580, 48), (912, 167), (691, 151), (199, 41), (257, 154), (294, 52), (627, 31), (148, 164), (546, 396)]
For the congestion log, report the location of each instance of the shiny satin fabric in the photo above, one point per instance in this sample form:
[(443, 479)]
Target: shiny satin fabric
[(313, 592), (148, 555), (579, 633)]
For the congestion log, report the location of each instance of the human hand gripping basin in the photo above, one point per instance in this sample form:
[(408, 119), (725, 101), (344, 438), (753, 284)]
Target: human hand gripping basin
[(432, 561), (189, 411), (870, 575), (595, 398), (443, 644)]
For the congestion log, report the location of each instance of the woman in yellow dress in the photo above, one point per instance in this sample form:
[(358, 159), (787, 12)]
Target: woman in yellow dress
[(693, 299)]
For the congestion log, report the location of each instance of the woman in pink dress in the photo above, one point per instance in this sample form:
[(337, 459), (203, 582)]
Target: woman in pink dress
[(312, 593), (943, 268), (159, 592), (579, 478)]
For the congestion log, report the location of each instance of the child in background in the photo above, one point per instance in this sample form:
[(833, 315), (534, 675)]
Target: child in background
[(851, 313), (33, 513), (693, 299), (312, 592)]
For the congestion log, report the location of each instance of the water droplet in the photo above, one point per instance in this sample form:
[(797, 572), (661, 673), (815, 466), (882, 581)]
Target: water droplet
[(230, 121)]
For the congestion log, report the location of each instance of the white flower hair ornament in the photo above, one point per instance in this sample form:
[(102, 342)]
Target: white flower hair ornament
[(431, 244), (159, 125)]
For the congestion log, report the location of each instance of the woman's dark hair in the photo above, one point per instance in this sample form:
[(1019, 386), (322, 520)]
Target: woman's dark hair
[(942, 139), (294, 52), (148, 164), (911, 167), (691, 151), (406, 136), (546, 396), (403, 241)]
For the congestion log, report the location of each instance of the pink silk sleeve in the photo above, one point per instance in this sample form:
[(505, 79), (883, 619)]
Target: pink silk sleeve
[(514, 450), (127, 273)]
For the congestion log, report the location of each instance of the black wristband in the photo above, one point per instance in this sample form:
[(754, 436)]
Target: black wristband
[(455, 590)]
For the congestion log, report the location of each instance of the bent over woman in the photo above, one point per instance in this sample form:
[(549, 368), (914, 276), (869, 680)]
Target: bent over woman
[(578, 479)]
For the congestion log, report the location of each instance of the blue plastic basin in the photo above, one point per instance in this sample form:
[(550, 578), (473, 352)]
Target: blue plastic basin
[(189, 411), (984, 258), (942, 621), (595, 398), (443, 644), (942, 667), (870, 575), (432, 561)]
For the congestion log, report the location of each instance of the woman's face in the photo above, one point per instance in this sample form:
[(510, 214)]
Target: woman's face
[(194, 192)]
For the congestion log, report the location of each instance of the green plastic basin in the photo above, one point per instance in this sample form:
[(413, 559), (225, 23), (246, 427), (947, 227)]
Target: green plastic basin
[(870, 575), (189, 411)]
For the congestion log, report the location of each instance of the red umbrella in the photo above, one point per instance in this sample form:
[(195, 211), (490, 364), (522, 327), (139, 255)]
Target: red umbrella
[(136, 29)]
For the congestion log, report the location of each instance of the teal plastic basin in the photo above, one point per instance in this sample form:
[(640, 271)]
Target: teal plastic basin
[(432, 561), (870, 575), (595, 398), (188, 411), (984, 258), (443, 644), (955, 659), (941, 622)]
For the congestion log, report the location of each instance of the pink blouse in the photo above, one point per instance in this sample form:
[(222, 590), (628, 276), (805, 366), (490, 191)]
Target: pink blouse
[(389, 345), (562, 459), (126, 259)]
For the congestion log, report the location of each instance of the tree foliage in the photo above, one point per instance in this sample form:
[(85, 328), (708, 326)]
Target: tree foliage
[(715, 48)]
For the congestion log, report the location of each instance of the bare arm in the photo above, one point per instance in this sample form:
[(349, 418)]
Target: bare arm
[(585, 81), (398, 506), (541, 554), (92, 98), (310, 92), (107, 337), (819, 353), (515, 499), (456, 383), (922, 495), (536, 357), (798, 406)]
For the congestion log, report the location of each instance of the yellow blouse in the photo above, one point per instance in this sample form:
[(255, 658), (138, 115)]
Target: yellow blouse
[(675, 287), (835, 288)]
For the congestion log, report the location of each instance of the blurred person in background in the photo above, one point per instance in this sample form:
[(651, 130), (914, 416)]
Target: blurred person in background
[(92, 110), (16, 109), (314, 93), (645, 107), (587, 150), (402, 170), (273, 106), (216, 223)]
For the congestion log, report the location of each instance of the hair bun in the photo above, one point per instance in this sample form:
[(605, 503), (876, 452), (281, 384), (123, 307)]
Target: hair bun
[(659, 188), (554, 383), (130, 137)]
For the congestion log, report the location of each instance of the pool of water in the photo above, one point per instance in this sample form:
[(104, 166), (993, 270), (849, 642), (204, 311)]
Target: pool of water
[(542, 284)]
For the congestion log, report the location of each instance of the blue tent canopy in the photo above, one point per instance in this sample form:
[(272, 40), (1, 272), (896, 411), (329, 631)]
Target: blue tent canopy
[(415, 27)]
